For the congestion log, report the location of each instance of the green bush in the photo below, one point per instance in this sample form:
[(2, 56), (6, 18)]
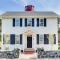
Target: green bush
[(0, 37)]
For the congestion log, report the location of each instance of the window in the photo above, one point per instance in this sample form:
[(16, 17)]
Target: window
[(41, 22), (41, 39), (17, 22), (12, 38), (52, 38), (46, 39), (6, 39), (29, 22), (17, 39)]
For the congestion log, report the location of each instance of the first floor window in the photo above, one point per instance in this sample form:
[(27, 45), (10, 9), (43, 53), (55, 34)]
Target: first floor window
[(6, 39), (41, 39), (46, 38), (52, 38), (17, 39)]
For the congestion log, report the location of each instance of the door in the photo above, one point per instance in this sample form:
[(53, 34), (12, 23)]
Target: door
[(29, 41)]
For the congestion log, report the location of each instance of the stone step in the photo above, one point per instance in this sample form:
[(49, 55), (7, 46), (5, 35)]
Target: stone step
[(29, 51)]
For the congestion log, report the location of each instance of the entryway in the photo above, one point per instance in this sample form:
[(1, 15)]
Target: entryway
[(29, 41)]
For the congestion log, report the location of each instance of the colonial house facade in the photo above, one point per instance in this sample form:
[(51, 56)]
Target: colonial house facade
[(29, 30)]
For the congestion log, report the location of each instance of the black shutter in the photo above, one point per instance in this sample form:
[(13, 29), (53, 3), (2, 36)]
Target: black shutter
[(12, 39), (37, 22), (25, 22), (20, 22), (20, 38), (37, 38), (13, 22), (46, 39), (45, 22), (54, 38), (32, 21)]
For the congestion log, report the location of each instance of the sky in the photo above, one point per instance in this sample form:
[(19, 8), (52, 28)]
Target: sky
[(40, 5)]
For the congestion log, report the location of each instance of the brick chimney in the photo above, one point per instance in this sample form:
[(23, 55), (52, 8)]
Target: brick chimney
[(29, 8)]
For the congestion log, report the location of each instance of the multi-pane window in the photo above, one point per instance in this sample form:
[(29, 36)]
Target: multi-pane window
[(29, 22), (41, 22), (6, 39), (17, 39), (52, 38), (46, 38), (41, 39), (17, 22)]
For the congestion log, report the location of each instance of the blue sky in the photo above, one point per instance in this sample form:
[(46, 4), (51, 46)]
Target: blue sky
[(40, 5)]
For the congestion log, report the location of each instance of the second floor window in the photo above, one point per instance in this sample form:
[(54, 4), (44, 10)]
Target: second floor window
[(41, 22), (29, 22), (17, 22)]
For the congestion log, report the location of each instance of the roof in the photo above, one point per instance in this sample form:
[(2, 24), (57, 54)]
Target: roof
[(35, 13)]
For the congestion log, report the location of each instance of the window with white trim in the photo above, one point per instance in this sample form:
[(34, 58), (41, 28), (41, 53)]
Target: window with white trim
[(41, 39), (41, 22), (29, 22), (6, 39), (17, 39), (17, 22)]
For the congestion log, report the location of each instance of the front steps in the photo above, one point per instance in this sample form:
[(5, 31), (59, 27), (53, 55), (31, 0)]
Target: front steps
[(29, 51)]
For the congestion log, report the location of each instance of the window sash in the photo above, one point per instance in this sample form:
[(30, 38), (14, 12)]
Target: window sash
[(46, 38), (6, 39), (41, 39), (17, 22), (17, 39)]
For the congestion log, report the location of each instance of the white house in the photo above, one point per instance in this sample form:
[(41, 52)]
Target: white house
[(30, 30)]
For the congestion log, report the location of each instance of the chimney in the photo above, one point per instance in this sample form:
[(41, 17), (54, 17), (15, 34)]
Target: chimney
[(29, 8)]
